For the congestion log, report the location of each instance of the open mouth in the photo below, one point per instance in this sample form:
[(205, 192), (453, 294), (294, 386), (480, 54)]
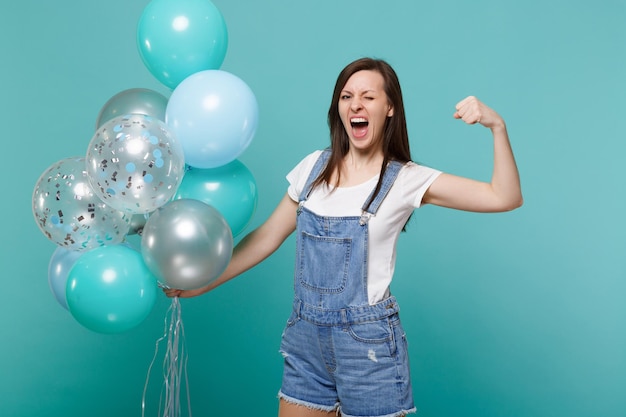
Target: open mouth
[(359, 126), (359, 122)]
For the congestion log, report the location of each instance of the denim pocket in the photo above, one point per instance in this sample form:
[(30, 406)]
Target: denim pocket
[(377, 332), (324, 263), (372, 332)]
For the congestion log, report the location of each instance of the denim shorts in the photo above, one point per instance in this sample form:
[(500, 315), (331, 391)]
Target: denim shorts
[(359, 367)]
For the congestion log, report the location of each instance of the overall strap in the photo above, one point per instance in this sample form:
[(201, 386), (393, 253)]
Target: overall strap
[(315, 172), (391, 173)]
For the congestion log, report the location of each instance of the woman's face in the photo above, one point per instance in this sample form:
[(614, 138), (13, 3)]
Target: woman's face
[(363, 108)]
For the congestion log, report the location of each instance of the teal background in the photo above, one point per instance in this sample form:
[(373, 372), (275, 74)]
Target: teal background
[(513, 314)]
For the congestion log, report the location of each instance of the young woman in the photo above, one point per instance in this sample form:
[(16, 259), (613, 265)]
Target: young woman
[(344, 347)]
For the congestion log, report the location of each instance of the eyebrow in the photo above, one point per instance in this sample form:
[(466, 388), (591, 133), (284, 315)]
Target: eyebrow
[(364, 92)]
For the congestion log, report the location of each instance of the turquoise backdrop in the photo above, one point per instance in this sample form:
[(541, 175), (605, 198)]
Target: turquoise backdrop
[(516, 314)]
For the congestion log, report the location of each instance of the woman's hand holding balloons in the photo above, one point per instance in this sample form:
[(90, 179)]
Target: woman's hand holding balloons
[(173, 292)]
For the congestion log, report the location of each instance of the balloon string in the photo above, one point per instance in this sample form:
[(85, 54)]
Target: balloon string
[(156, 351), (174, 365)]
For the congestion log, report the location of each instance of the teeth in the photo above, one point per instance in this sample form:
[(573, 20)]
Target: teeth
[(358, 120)]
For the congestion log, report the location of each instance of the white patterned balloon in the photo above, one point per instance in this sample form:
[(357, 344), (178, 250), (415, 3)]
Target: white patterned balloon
[(134, 163), (70, 214)]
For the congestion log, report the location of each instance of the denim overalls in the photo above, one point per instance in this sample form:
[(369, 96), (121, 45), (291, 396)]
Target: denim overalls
[(340, 351)]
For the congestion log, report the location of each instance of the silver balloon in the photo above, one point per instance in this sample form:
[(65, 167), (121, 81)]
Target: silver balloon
[(133, 101), (69, 213), (137, 222), (186, 244), (135, 164)]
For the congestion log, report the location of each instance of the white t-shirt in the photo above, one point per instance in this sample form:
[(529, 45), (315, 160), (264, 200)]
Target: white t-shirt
[(384, 228)]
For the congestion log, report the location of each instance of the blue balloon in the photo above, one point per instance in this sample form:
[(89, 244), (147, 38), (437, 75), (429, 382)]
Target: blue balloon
[(177, 38), (60, 264), (110, 289), (214, 115), (231, 189)]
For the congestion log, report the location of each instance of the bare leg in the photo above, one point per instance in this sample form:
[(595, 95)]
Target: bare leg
[(286, 409)]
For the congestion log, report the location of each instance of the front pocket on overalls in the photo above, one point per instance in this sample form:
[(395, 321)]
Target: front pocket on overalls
[(324, 263), (375, 333), (378, 331)]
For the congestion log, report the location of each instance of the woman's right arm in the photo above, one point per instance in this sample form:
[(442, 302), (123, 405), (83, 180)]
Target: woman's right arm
[(253, 248)]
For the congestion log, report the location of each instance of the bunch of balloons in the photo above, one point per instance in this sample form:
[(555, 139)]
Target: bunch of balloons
[(164, 169)]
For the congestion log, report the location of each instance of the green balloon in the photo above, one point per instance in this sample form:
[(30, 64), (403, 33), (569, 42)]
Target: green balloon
[(110, 289), (177, 38), (231, 189)]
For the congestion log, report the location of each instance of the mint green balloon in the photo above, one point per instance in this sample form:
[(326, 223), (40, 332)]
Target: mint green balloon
[(230, 188), (177, 38), (110, 289)]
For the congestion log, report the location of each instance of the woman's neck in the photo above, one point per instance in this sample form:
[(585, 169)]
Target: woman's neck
[(359, 167)]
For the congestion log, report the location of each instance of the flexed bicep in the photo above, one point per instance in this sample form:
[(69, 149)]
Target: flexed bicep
[(503, 192), (465, 194)]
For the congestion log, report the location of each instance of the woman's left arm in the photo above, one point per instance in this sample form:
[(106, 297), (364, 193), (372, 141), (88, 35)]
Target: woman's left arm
[(504, 192)]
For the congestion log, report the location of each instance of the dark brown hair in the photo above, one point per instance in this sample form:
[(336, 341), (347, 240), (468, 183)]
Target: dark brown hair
[(395, 134)]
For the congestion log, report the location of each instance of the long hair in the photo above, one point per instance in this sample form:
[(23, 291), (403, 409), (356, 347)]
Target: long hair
[(395, 134)]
